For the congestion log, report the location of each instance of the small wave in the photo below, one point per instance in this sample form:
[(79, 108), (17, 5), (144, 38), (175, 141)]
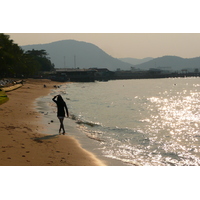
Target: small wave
[(122, 130), (95, 138), (73, 117), (92, 124), (82, 122), (95, 135), (127, 161)]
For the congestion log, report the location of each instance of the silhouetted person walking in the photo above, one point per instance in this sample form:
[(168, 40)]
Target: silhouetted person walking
[(61, 110)]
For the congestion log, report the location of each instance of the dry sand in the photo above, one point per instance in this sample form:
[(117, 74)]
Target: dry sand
[(21, 141)]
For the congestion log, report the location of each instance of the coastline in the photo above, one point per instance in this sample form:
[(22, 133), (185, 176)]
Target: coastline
[(23, 142), (47, 108)]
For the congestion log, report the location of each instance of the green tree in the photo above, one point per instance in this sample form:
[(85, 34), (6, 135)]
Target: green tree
[(6, 57), (15, 62), (11, 57), (41, 57)]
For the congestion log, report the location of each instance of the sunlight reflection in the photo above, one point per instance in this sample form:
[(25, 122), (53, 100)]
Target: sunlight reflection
[(179, 115)]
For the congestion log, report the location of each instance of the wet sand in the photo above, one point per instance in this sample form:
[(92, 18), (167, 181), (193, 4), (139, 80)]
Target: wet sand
[(21, 141)]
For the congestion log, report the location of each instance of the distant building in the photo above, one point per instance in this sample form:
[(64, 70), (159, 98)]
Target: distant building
[(155, 71), (102, 74), (74, 75)]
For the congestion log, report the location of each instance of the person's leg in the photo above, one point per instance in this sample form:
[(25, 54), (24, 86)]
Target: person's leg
[(62, 125)]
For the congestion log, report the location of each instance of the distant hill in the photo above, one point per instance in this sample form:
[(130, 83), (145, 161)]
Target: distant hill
[(72, 53), (173, 63), (135, 61)]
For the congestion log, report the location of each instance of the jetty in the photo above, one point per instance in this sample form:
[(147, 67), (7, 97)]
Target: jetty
[(74, 75), (103, 74)]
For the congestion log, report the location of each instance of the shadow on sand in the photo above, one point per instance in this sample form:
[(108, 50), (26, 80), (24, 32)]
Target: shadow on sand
[(39, 139)]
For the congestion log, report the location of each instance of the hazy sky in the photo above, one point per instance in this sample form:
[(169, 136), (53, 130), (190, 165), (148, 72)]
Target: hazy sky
[(127, 28), (120, 45)]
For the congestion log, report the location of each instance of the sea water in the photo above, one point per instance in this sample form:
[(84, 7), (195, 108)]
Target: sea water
[(152, 122)]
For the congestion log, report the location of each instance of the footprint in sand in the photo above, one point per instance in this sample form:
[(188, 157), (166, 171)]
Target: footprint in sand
[(8, 146), (11, 127), (29, 129), (63, 160)]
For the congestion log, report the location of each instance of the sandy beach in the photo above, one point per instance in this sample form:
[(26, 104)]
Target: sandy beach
[(21, 140)]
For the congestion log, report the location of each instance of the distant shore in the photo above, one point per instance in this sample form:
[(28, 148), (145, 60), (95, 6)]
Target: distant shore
[(21, 141)]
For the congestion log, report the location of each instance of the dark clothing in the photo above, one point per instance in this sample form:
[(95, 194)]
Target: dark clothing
[(61, 107)]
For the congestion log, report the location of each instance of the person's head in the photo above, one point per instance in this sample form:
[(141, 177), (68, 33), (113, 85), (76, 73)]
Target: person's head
[(60, 99)]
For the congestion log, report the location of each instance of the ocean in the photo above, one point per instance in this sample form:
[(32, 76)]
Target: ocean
[(144, 122)]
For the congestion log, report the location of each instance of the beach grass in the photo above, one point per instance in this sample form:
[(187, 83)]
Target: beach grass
[(3, 97)]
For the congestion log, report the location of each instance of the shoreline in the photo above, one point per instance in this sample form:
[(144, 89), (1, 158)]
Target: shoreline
[(23, 142), (46, 107)]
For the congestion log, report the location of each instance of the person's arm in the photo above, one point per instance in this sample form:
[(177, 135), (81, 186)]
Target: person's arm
[(66, 110), (54, 98)]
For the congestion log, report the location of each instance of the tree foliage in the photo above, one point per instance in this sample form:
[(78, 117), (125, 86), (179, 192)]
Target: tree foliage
[(40, 56), (15, 62)]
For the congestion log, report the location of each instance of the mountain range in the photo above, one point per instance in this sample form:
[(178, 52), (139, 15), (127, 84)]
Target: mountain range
[(172, 63), (78, 54), (136, 61)]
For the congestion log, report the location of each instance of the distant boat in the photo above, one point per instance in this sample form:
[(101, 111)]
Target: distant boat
[(13, 87)]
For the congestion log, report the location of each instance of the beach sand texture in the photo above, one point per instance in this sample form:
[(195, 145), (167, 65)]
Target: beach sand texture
[(21, 141)]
